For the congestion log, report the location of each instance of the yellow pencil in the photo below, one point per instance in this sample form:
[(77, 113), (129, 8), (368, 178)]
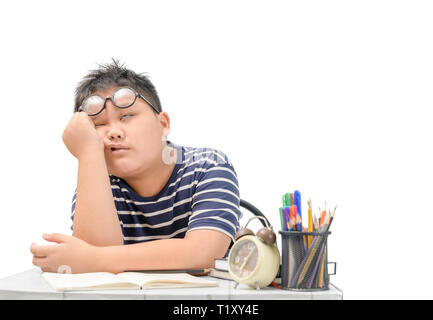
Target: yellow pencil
[(310, 222), (321, 271)]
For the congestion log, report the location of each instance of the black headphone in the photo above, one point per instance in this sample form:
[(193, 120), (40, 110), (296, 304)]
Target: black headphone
[(267, 234)]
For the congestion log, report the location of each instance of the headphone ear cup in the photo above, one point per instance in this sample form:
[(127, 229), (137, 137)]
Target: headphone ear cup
[(243, 232), (267, 235)]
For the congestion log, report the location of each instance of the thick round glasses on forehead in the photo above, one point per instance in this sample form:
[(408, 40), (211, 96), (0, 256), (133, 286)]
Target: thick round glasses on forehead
[(123, 97)]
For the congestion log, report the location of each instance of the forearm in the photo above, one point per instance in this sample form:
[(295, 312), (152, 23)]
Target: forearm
[(163, 254), (95, 218)]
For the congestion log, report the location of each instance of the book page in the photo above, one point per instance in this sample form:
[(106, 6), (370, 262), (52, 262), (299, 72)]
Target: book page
[(166, 279), (87, 281)]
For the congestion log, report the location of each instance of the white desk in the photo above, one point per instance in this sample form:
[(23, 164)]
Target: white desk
[(30, 285)]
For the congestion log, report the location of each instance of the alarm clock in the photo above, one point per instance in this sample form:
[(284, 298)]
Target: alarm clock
[(254, 260)]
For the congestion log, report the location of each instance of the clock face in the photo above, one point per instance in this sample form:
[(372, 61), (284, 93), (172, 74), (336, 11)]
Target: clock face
[(244, 258)]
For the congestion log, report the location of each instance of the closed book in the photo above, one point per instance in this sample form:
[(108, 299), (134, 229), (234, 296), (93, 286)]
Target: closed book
[(222, 264), (220, 274)]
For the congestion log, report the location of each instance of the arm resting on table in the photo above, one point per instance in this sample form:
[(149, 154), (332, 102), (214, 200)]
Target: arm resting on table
[(197, 250)]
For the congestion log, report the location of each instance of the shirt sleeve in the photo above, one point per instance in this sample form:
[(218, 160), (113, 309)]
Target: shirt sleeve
[(74, 199), (216, 201)]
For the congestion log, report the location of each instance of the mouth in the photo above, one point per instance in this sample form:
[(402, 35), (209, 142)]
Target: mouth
[(118, 150)]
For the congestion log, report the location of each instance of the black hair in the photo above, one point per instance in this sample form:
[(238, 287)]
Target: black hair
[(115, 74)]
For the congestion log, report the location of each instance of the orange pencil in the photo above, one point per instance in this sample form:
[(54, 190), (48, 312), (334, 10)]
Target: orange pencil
[(323, 216), (292, 219)]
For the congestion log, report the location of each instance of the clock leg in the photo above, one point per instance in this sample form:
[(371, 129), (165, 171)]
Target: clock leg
[(257, 285), (236, 285)]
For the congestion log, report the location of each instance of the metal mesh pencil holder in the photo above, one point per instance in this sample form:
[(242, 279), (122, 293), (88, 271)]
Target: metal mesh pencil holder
[(305, 261)]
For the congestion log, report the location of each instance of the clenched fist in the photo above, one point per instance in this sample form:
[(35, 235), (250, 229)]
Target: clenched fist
[(81, 137)]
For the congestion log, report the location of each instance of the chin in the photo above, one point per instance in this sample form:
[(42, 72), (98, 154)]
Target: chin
[(123, 172)]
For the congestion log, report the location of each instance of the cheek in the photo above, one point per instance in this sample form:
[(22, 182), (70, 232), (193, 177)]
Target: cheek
[(146, 136), (148, 148), (101, 132)]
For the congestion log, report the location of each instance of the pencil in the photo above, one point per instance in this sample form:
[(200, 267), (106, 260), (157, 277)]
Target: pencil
[(288, 200), (282, 219), (293, 259), (305, 264), (299, 228), (310, 222), (312, 254), (292, 220), (322, 267), (316, 224), (322, 217), (314, 272), (294, 224)]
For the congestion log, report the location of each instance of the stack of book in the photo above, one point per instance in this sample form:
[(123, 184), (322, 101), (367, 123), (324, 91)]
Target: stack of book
[(221, 269)]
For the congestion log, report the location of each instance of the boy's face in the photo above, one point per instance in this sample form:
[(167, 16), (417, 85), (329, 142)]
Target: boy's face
[(137, 129)]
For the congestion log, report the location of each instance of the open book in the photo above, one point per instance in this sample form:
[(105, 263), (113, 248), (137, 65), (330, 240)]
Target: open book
[(121, 281)]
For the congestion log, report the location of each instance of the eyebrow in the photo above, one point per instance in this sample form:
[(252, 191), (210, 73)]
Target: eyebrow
[(132, 108), (98, 116)]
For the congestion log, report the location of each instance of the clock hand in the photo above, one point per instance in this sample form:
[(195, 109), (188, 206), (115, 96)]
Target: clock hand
[(246, 259)]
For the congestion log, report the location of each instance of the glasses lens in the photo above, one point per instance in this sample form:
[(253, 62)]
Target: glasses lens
[(93, 104), (124, 97)]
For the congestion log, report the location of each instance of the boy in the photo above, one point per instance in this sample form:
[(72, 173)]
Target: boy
[(142, 202)]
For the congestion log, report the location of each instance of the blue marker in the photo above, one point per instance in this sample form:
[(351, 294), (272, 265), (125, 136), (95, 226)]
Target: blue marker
[(297, 203)]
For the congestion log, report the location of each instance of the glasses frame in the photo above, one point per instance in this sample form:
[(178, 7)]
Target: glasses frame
[(137, 95)]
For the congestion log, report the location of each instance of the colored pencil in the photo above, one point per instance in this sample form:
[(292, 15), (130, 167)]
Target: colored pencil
[(294, 257), (312, 254), (321, 270), (292, 219), (294, 224), (288, 200), (316, 224), (282, 219), (322, 217), (314, 271), (299, 228), (310, 222)]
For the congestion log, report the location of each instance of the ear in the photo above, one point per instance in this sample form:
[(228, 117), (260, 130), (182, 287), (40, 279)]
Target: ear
[(166, 132), (164, 120)]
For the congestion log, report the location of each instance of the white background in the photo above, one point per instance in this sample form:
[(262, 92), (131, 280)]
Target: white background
[(332, 98)]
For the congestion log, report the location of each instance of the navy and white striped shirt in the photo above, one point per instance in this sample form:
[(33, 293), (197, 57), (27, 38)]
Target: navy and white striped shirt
[(201, 193)]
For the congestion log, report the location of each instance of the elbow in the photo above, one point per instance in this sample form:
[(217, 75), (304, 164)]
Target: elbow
[(206, 246), (204, 263), (208, 260), (208, 255)]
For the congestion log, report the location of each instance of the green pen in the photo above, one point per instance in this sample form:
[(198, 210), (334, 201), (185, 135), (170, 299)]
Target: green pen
[(281, 218), (288, 200)]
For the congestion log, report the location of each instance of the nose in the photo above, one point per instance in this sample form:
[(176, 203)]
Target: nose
[(115, 133)]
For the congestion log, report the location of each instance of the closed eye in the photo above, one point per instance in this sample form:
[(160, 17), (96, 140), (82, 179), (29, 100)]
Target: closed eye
[(99, 124)]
